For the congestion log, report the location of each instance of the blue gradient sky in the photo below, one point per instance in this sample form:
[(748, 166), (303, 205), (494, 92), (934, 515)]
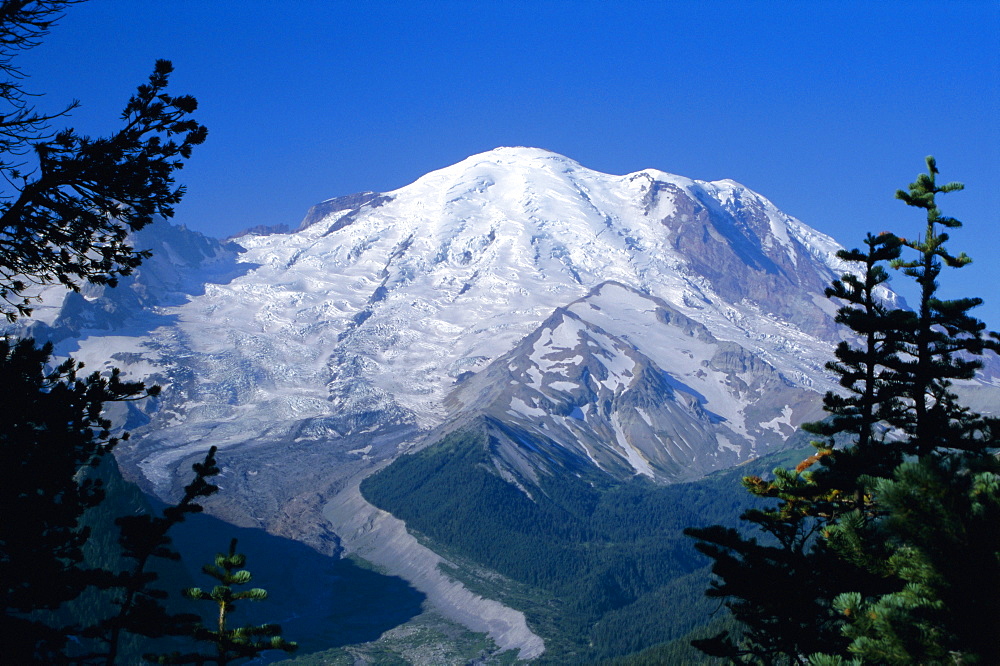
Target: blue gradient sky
[(825, 108)]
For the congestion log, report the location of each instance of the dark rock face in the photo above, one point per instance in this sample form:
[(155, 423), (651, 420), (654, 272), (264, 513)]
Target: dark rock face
[(735, 249), (351, 202)]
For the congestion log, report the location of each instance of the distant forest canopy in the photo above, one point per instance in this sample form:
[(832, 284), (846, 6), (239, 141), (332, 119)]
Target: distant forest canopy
[(600, 563)]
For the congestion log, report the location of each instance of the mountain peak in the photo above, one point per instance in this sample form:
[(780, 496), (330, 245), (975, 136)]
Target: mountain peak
[(518, 152), (500, 163), (364, 319), (514, 154), (595, 326)]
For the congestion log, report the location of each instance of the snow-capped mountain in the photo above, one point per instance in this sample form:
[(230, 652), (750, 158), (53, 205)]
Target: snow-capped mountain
[(698, 305), (641, 325), (608, 398)]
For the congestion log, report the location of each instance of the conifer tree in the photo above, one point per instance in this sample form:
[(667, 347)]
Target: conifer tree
[(938, 513), (231, 644), (872, 396), (885, 528), (781, 590), (941, 337), (51, 432), (67, 204), (140, 608), (23, 24), (776, 586), (68, 201), (940, 517)]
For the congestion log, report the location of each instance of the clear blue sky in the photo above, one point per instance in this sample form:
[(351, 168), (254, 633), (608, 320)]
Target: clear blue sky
[(823, 107)]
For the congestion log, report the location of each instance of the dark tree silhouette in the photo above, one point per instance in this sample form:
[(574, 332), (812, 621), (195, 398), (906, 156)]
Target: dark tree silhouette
[(143, 537), (51, 432), (23, 23), (67, 205), (69, 201), (892, 517)]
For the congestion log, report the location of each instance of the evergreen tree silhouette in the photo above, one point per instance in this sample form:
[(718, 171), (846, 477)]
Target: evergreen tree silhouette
[(140, 608), (893, 512), (68, 201), (67, 205), (52, 432), (231, 644)]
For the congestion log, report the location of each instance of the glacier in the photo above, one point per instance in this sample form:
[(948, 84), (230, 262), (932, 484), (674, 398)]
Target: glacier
[(647, 324), (369, 314)]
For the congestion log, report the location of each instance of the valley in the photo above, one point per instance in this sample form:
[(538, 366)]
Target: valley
[(503, 391)]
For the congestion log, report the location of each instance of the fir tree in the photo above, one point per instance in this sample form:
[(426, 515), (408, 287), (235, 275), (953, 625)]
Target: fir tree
[(51, 432), (781, 589), (941, 337), (775, 586), (231, 644), (940, 518), (937, 514), (67, 205), (904, 479), (69, 201), (23, 24), (140, 608), (872, 396)]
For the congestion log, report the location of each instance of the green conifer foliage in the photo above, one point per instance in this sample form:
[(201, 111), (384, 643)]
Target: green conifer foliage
[(942, 336), (937, 514), (900, 514), (231, 644), (941, 514), (775, 586)]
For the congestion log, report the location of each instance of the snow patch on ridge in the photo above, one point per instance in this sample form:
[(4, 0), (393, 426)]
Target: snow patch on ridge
[(785, 418)]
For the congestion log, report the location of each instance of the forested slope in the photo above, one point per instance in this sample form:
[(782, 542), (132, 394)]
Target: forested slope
[(601, 569)]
